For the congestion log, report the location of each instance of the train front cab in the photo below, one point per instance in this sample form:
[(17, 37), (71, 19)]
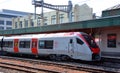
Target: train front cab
[(89, 49), (96, 54)]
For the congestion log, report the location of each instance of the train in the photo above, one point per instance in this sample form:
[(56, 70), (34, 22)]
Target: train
[(65, 45)]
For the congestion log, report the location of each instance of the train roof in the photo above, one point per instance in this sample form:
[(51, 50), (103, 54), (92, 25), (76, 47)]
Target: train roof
[(48, 35)]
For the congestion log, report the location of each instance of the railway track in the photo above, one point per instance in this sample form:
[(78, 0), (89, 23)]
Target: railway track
[(111, 59), (64, 65), (26, 69)]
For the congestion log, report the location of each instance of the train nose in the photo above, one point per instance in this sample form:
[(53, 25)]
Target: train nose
[(95, 50)]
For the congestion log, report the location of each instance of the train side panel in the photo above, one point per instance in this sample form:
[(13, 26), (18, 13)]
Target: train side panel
[(71, 46), (83, 51), (8, 45), (53, 46), (24, 46)]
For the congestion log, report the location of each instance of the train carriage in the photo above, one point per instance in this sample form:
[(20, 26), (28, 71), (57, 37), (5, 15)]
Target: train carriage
[(76, 45)]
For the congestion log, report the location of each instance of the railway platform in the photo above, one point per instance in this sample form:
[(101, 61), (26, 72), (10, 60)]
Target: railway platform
[(112, 57)]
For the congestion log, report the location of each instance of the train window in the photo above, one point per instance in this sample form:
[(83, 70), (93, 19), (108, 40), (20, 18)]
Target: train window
[(79, 41), (71, 41), (41, 44), (24, 44), (8, 44), (46, 44), (90, 41)]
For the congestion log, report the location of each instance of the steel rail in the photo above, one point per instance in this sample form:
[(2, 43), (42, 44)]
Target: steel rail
[(70, 65), (25, 68)]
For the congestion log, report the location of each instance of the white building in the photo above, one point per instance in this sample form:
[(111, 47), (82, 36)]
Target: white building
[(79, 13)]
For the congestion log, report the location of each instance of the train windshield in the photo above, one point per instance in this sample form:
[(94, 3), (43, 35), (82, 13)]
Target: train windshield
[(90, 41)]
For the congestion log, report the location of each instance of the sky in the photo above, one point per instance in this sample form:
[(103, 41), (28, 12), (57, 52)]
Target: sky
[(26, 5)]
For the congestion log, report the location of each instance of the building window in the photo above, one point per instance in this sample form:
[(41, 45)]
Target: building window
[(32, 23), (72, 17), (45, 21), (46, 44), (9, 23), (61, 18), (111, 40), (26, 23), (38, 22), (20, 24), (53, 19), (1, 28), (16, 25), (1, 22), (8, 27)]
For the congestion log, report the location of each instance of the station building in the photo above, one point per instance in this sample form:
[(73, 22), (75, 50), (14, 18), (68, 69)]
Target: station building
[(109, 37), (6, 18), (80, 13)]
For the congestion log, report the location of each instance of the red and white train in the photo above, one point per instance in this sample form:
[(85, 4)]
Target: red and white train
[(75, 45)]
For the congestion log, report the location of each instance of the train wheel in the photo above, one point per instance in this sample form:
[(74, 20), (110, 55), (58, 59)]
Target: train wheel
[(64, 58), (52, 57), (58, 58)]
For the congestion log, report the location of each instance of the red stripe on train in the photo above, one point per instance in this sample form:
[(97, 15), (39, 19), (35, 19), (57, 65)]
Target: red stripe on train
[(34, 46), (16, 50)]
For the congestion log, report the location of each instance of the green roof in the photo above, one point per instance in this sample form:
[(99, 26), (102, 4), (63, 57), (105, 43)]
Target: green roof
[(96, 23), (112, 11)]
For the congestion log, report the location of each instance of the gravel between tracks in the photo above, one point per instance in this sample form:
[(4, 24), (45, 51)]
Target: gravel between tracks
[(4, 70), (62, 70)]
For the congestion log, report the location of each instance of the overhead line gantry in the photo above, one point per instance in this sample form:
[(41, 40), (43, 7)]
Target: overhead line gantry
[(63, 8)]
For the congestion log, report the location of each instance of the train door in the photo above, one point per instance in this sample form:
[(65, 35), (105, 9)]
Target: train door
[(82, 49), (16, 50), (34, 47), (71, 47)]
